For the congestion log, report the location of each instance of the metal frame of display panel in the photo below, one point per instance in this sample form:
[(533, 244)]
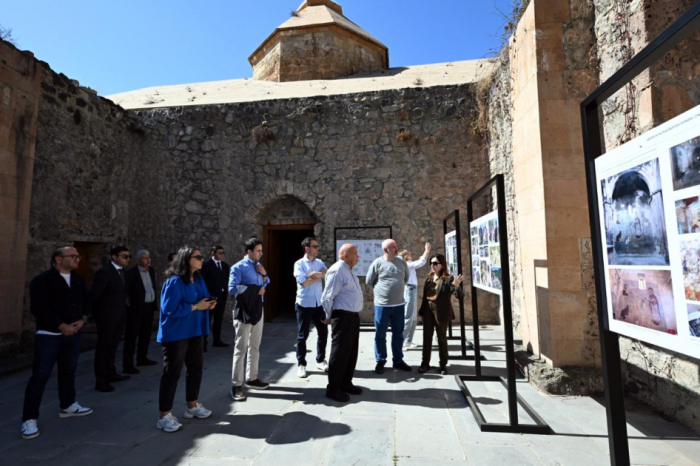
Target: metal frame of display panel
[(464, 343), (540, 427), (686, 25)]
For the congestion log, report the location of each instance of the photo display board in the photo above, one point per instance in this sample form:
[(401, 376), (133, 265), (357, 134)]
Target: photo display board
[(451, 252), (649, 201), (368, 250), (486, 253)]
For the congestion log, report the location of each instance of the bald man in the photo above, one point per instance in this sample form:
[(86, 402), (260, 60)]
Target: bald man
[(388, 276), (342, 302)]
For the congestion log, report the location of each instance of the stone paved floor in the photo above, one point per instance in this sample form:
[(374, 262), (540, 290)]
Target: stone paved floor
[(402, 419)]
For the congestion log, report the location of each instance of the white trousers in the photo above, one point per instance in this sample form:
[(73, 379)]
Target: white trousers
[(248, 338)]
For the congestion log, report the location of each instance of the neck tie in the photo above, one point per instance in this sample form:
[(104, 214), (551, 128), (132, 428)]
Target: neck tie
[(121, 275), (218, 264)]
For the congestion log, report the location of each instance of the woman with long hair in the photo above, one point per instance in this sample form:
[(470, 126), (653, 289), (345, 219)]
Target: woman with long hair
[(184, 319), (436, 309)]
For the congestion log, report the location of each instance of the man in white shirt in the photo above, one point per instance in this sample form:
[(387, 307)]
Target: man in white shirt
[(411, 294)]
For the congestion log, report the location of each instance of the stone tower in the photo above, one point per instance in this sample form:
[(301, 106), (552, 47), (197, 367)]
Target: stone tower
[(318, 42)]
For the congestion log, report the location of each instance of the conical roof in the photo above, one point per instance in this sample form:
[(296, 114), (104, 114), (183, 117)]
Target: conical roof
[(314, 13)]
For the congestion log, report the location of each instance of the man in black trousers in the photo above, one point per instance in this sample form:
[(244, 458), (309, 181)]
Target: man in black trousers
[(143, 303), (60, 303), (109, 299), (215, 273)]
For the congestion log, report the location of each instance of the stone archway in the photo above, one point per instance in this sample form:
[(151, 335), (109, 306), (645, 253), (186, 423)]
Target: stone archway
[(286, 221)]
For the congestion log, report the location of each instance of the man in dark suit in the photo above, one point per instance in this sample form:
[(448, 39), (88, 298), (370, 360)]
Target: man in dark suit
[(109, 299), (143, 303), (215, 273)]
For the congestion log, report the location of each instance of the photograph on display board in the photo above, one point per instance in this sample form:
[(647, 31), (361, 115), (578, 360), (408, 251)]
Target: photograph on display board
[(484, 252), (690, 258), (484, 234), (495, 256), (496, 278), (694, 320), (451, 252), (688, 215), (643, 297), (685, 164), (635, 225), (493, 230), (485, 273)]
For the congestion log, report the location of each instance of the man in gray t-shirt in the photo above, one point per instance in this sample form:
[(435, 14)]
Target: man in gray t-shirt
[(387, 276)]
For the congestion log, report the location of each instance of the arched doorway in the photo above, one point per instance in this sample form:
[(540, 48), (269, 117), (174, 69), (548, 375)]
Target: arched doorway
[(286, 221)]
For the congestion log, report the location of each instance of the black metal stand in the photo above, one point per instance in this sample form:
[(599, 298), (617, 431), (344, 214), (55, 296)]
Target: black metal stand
[(514, 426), (464, 342), (686, 25)]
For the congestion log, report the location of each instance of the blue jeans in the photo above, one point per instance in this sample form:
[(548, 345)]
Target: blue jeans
[(383, 317), (49, 350), (410, 294), (305, 316)]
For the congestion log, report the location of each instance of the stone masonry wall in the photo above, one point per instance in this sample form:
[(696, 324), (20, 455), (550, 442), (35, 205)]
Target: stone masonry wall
[(404, 158)]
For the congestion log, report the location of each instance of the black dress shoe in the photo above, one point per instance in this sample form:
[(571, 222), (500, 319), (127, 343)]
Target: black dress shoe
[(220, 344), (423, 369), (147, 362), (104, 387), (118, 378), (338, 396), (379, 368), (443, 370), (402, 366), (205, 349), (131, 370), (352, 389)]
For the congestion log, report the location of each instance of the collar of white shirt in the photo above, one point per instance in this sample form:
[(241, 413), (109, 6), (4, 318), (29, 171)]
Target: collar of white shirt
[(116, 266)]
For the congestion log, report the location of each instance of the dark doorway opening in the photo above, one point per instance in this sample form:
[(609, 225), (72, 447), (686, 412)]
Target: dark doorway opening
[(94, 256), (281, 249)]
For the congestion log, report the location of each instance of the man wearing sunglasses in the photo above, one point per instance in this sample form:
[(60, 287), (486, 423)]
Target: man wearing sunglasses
[(109, 301), (215, 272), (60, 303)]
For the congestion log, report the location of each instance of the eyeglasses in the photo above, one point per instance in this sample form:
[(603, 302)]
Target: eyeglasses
[(125, 256), (199, 257), (434, 264), (315, 246), (76, 257)]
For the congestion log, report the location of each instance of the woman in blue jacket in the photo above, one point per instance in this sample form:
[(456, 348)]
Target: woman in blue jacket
[(184, 320)]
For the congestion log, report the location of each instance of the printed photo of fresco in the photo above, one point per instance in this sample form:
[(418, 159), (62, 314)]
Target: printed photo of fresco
[(485, 273), (495, 256), (685, 164), (694, 319), (690, 260), (493, 231), (688, 215), (496, 278), (635, 226), (644, 298)]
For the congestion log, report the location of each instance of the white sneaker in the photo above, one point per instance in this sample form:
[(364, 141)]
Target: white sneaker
[(75, 410), (168, 423), (30, 429), (301, 371), (411, 345), (199, 411), (322, 366)]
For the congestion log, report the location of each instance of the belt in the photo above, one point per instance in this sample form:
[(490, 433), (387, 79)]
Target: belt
[(341, 311)]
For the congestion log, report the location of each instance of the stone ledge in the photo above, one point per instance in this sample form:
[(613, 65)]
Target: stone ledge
[(579, 381)]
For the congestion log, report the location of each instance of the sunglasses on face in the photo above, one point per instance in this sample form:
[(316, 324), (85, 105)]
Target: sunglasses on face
[(198, 257), (125, 256), (434, 264), (315, 246)]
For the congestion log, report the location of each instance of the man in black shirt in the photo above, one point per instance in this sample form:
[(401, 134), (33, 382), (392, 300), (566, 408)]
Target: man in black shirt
[(215, 272), (60, 303)]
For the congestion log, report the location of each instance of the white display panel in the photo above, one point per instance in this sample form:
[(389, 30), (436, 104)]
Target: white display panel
[(368, 249), (486, 253), (451, 252), (648, 199)]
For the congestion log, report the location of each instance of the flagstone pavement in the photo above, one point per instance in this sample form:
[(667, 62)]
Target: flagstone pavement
[(403, 419)]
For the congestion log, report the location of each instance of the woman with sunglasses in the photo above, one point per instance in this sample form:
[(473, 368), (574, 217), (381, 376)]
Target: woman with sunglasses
[(184, 319), (436, 309)]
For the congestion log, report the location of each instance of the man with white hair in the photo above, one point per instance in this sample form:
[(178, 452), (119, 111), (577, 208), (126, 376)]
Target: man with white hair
[(143, 304), (388, 276)]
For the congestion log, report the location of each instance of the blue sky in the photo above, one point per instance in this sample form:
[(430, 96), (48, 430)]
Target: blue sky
[(121, 45)]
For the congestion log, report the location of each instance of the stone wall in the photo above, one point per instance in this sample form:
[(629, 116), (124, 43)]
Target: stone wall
[(404, 158), (20, 76)]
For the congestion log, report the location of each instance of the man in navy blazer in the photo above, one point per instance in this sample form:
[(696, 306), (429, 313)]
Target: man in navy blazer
[(109, 300), (143, 304), (216, 273)]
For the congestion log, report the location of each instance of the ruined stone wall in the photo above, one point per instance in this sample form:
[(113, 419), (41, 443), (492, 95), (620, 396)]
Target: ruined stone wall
[(667, 381), (88, 170), (404, 158), (20, 76), (322, 52)]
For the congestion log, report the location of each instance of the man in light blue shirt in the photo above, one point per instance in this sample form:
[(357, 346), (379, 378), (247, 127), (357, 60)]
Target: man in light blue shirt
[(247, 272), (309, 272), (342, 302)]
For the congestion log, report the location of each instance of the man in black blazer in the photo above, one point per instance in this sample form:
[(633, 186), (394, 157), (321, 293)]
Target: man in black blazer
[(143, 303), (215, 273), (109, 300)]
